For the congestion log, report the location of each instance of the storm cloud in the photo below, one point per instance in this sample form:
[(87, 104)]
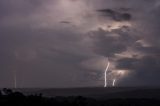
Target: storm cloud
[(64, 43), (117, 16)]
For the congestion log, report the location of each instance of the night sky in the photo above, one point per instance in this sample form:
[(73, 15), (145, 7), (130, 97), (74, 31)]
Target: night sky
[(66, 43)]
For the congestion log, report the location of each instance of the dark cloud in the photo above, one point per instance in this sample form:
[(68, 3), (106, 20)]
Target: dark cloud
[(45, 52), (65, 22), (124, 9), (107, 45), (115, 15), (145, 71)]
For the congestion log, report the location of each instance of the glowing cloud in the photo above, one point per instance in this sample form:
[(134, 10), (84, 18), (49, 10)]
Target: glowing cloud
[(113, 25)]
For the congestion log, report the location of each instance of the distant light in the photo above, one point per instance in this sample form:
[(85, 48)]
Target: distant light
[(121, 72)]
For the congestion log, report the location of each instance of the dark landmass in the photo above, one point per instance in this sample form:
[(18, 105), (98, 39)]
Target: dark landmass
[(81, 97), (97, 92)]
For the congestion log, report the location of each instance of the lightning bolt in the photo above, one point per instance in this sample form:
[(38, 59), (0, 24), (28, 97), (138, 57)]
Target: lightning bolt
[(105, 74), (114, 81)]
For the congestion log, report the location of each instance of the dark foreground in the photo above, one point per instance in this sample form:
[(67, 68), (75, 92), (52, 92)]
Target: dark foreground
[(15, 98)]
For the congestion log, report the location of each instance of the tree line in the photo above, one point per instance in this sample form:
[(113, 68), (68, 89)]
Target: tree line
[(10, 98)]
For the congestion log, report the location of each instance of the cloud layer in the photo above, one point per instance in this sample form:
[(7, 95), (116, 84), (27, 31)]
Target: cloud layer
[(65, 43)]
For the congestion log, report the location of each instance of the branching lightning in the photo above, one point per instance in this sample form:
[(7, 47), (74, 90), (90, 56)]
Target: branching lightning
[(105, 74)]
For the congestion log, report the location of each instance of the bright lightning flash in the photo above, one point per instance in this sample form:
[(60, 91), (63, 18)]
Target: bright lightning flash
[(114, 81), (105, 74)]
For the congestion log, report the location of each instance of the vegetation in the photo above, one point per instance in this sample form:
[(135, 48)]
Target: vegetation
[(10, 98)]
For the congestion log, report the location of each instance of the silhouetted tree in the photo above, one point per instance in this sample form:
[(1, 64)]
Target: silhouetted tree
[(10, 98)]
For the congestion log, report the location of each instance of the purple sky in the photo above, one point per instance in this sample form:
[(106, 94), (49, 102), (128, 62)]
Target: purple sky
[(65, 43)]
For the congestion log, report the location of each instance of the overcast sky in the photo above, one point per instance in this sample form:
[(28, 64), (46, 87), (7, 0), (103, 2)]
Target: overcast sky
[(66, 43)]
